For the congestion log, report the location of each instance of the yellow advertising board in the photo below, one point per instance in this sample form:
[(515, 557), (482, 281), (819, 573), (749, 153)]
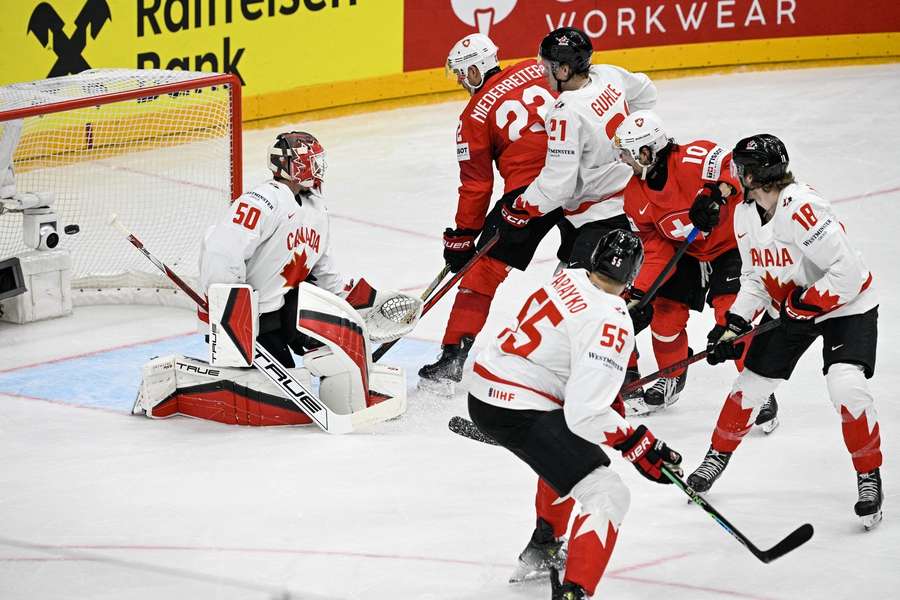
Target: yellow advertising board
[(272, 45)]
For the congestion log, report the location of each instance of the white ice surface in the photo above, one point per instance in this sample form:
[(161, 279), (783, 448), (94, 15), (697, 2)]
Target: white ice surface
[(409, 510)]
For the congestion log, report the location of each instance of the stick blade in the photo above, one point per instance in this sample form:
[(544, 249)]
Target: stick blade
[(797, 538), (467, 428)]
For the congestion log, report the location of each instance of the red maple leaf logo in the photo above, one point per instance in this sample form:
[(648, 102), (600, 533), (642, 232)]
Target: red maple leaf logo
[(777, 291), (296, 270), (827, 301)]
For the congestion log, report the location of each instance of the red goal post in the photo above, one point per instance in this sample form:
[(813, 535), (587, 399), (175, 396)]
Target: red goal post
[(162, 149)]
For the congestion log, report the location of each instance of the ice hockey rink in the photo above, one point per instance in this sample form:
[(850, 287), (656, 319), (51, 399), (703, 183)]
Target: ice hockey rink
[(96, 503)]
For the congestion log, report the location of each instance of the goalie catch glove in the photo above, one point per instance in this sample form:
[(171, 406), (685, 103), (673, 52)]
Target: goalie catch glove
[(389, 314)]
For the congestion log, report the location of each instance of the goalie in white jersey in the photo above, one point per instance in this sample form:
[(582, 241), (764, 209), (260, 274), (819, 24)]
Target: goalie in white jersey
[(799, 266), (547, 390), (274, 243)]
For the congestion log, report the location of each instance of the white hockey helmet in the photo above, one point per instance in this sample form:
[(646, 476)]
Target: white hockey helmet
[(475, 50), (298, 156), (641, 129)]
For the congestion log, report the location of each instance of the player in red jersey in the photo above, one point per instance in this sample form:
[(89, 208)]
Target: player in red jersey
[(502, 124), (677, 187)]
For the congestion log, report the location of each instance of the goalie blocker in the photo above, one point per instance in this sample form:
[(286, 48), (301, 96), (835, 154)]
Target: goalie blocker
[(220, 390)]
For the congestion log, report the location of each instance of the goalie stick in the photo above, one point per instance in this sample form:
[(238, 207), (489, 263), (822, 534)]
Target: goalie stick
[(328, 420), (794, 540), (429, 304), (764, 327)]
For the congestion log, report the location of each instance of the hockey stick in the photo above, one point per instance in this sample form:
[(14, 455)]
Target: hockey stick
[(268, 365), (442, 291), (794, 540), (767, 326), (437, 281), (661, 278)]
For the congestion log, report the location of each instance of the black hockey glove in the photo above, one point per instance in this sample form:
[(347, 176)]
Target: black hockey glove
[(704, 213), (649, 455), (459, 247), (641, 317), (718, 343)]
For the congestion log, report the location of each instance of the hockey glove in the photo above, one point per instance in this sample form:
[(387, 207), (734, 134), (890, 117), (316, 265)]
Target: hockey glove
[(704, 213), (649, 455), (797, 315), (719, 346), (641, 317), (459, 247), (514, 217)]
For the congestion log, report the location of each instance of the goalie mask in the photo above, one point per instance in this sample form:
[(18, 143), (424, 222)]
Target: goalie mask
[(475, 50), (299, 157), (641, 129)]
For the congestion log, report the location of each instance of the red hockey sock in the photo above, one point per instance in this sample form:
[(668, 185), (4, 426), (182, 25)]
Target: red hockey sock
[(588, 554), (862, 439), (473, 300), (552, 509), (670, 343), (733, 424)]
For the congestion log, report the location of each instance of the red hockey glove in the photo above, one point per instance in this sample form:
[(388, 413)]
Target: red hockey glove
[(704, 213), (719, 346), (513, 216), (459, 247), (649, 455), (796, 314)]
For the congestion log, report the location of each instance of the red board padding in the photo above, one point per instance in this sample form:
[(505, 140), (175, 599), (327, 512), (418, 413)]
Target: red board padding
[(431, 28)]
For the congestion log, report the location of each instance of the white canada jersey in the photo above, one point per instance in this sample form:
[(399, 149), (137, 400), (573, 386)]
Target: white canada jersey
[(582, 171), (271, 241), (569, 348), (804, 245)]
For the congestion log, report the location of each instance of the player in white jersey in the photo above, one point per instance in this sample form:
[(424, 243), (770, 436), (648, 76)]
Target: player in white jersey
[(274, 238), (582, 172), (799, 266), (547, 390)]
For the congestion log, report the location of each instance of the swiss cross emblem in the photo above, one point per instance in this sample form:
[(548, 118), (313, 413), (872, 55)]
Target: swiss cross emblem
[(639, 122), (466, 43), (677, 226)]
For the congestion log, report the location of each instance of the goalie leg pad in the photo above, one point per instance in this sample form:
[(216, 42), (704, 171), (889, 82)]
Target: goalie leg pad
[(177, 385)]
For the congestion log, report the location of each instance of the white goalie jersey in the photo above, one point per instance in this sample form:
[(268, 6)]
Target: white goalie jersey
[(582, 171), (272, 241)]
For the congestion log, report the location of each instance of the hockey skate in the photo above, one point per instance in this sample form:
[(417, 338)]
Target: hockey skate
[(543, 553), (871, 494), (634, 400), (767, 419), (564, 591), (441, 377), (710, 469)]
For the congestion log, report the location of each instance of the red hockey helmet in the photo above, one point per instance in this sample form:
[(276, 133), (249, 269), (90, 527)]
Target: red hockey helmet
[(298, 156)]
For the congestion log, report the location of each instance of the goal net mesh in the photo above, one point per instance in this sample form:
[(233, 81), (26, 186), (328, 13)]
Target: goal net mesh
[(163, 162)]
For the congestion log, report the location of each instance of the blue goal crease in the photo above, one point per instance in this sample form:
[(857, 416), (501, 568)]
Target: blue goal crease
[(111, 379)]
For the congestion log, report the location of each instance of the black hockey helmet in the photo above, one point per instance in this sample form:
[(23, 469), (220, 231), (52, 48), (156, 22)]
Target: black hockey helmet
[(619, 255), (569, 46), (762, 156)]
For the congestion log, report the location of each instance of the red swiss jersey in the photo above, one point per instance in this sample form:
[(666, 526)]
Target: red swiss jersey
[(503, 122), (661, 218)]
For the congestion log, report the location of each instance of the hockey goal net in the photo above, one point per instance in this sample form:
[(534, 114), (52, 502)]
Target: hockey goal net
[(162, 149)]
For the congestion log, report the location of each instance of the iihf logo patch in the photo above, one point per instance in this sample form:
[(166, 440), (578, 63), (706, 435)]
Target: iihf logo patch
[(639, 122)]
